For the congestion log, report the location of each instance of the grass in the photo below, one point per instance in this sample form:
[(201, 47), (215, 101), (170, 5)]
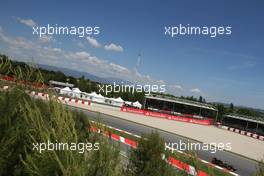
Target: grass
[(25, 121)]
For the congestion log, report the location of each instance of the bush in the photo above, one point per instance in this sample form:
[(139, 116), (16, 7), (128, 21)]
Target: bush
[(25, 121), (148, 158)]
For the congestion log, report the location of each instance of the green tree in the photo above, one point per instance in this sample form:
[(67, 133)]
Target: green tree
[(201, 99), (148, 158), (246, 111), (221, 112), (231, 107)]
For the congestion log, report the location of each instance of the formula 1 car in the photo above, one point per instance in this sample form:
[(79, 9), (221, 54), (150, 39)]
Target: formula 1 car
[(220, 163)]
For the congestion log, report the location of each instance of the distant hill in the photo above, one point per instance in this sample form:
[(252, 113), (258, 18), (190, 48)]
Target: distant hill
[(74, 73)]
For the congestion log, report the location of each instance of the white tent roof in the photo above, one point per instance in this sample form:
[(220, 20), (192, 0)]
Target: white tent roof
[(85, 93), (56, 88), (94, 94), (119, 99), (66, 89), (109, 98), (137, 104), (128, 102), (100, 96), (76, 90)]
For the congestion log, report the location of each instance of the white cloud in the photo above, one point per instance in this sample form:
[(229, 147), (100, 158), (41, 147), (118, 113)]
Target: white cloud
[(57, 50), (244, 65), (24, 50), (196, 90), (119, 68), (45, 38), (179, 87), (51, 49), (161, 81), (93, 42), (18, 42), (80, 55), (113, 47), (86, 59), (28, 22)]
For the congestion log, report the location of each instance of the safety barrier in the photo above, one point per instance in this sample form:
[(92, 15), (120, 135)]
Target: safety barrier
[(63, 99), (168, 116), (171, 160), (246, 133)]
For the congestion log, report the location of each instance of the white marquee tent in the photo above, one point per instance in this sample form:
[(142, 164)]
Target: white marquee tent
[(97, 97), (137, 104), (65, 91), (118, 102), (76, 92)]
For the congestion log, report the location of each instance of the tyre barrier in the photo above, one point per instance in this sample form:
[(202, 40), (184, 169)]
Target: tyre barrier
[(242, 132)]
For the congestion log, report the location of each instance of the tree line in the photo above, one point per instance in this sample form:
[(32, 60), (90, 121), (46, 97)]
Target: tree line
[(81, 82)]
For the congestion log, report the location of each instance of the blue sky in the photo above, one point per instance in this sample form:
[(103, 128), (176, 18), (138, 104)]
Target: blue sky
[(228, 68)]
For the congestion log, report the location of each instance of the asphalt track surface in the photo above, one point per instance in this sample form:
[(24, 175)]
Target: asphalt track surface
[(244, 166)]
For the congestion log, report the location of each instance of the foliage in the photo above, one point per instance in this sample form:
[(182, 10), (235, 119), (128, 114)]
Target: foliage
[(148, 158), (221, 112), (25, 121)]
